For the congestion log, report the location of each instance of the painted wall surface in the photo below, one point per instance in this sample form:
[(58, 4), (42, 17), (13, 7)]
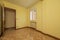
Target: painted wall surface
[(21, 14), (51, 17), (48, 16), (39, 15), (1, 3), (28, 17)]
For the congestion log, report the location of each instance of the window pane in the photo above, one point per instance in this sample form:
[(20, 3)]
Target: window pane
[(34, 15), (31, 15)]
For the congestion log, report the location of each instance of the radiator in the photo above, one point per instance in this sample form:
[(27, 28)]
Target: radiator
[(33, 24)]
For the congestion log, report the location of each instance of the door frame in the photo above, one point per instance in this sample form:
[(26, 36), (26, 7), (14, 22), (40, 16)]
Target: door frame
[(1, 21), (6, 8)]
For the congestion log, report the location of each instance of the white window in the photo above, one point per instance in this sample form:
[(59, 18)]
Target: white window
[(32, 15)]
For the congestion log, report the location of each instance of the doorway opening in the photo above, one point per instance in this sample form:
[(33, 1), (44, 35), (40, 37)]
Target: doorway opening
[(10, 18)]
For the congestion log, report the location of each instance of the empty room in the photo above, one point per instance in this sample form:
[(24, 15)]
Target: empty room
[(29, 19)]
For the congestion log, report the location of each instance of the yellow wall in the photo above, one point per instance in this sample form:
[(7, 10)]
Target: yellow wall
[(28, 17), (51, 17), (38, 9), (1, 3), (21, 14), (48, 17)]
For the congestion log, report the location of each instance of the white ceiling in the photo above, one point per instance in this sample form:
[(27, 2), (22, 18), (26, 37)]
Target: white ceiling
[(25, 3)]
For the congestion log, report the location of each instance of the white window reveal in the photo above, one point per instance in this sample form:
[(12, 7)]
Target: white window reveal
[(32, 15)]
